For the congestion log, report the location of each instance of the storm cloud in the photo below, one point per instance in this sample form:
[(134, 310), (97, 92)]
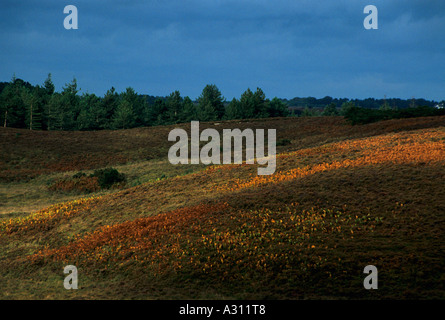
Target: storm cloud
[(288, 48)]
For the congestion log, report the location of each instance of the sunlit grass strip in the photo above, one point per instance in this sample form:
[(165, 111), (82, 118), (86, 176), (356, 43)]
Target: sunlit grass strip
[(370, 144), (419, 149), (40, 219), (143, 234)]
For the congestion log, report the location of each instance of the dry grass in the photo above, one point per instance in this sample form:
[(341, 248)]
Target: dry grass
[(339, 200), (28, 154)]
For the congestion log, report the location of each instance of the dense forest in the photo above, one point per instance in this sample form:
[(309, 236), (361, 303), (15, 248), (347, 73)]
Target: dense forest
[(40, 107), (23, 105)]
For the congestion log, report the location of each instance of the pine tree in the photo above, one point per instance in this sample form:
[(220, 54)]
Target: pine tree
[(211, 98), (207, 113), (247, 104), (13, 106), (69, 108), (109, 105), (33, 104), (189, 111), (55, 112), (138, 103), (157, 113), (260, 104), (174, 107), (277, 108), (89, 112), (233, 110), (124, 117), (49, 85)]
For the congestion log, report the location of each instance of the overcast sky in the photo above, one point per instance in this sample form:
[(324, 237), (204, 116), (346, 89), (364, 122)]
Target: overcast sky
[(288, 48)]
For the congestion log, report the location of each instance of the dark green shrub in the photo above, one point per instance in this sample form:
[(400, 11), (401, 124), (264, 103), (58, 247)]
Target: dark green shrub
[(108, 176)]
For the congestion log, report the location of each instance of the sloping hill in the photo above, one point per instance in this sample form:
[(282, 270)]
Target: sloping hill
[(34, 161), (27, 154), (342, 197)]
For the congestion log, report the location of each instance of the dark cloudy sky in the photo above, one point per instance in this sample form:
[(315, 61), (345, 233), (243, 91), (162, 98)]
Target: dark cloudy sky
[(286, 47)]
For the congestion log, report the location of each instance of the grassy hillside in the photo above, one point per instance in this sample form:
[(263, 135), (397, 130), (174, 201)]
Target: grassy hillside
[(342, 197)]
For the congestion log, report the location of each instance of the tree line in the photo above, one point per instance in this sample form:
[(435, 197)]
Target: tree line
[(358, 115), (368, 103), (40, 107)]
